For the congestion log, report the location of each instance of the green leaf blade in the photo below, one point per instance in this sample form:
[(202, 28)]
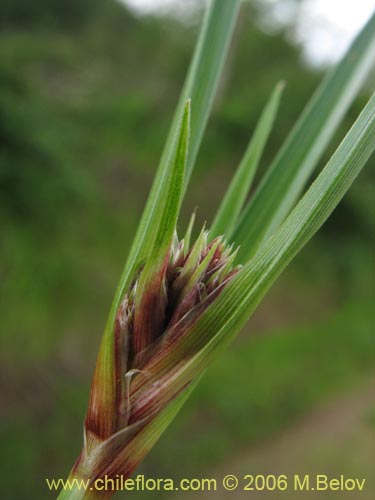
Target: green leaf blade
[(286, 178), (150, 296), (240, 298), (222, 320), (239, 187), (206, 68), (201, 84), (163, 220)]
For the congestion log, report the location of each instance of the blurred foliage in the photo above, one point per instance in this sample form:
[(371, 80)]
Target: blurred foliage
[(67, 14), (36, 175), (87, 92)]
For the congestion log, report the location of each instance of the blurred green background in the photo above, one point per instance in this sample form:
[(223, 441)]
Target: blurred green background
[(87, 92)]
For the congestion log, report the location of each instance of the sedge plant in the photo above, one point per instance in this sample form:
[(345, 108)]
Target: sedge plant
[(180, 303)]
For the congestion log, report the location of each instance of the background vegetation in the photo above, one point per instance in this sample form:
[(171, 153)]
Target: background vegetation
[(87, 91)]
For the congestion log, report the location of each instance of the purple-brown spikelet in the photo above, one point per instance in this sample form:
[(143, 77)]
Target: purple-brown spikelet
[(150, 349)]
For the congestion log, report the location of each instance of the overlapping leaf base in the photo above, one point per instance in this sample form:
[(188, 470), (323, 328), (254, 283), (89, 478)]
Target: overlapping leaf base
[(150, 322)]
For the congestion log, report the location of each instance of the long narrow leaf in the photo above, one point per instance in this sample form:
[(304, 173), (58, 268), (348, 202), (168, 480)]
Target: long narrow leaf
[(151, 283), (239, 187), (201, 83), (215, 329), (166, 214), (102, 400), (295, 162)]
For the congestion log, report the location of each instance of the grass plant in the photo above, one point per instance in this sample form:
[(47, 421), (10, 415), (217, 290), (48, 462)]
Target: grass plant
[(180, 302)]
